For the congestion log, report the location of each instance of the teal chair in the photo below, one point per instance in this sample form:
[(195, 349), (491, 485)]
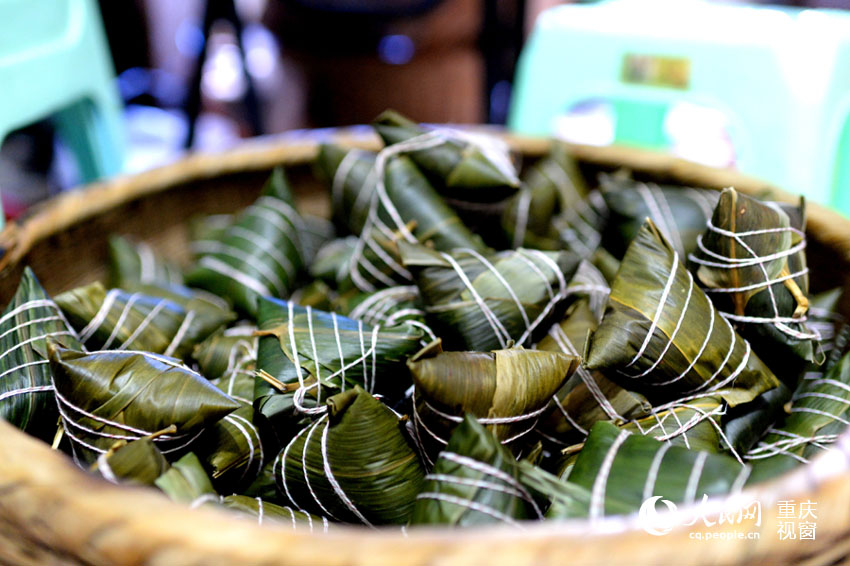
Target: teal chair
[(55, 63), (780, 76)]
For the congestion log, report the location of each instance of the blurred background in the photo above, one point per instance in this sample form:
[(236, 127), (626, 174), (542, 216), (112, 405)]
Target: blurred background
[(205, 74)]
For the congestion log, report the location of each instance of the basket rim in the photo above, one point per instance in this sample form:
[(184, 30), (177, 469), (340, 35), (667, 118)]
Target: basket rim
[(829, 470)]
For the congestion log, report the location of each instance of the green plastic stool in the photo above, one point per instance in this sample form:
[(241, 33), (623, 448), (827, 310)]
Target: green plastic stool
[(55, 63), (780, 76)]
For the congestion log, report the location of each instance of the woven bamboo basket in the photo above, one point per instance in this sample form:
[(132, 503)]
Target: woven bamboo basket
[(53, 513)]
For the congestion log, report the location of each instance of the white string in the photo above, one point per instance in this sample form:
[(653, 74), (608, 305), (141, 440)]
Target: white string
[(654, 468), (655, 200), (27, 323), (24, 391), (144, 324), (754, 260), (220, 267), (572, 422), (306, 475), (105, 469), (661, 304), (329, 475), (502, 335), (565, 344), (22, 366), (32, 339), (696, 474), (473, 505), (492, 471), (675, 329), (100, 316), (380, 199), (600, 484), (245, 259), (125, 312), (341, 175), (522, 212), (180, 334), (232, 419), (265, 246), (282, 460)]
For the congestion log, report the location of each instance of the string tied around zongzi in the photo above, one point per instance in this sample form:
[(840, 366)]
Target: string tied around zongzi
[(499, 330), (307, 384), (753, 259)]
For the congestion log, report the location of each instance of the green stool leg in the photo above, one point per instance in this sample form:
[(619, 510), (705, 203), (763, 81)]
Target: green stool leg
[(82, 127)]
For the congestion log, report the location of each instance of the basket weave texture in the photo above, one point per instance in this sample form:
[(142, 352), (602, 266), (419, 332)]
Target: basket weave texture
[(52, 513)]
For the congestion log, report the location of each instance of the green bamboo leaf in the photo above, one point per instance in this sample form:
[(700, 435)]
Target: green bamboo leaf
[(316, 294), (820, 412), (221, 352), (260, 254), (209, 226), (587, 396), (693, 424), (353, 464), (467, 167), (26, 391), (332, 261), (388, 307), (589, 283), (662, 337), (482, 301), (311, 354), (394, 201), (606, 263), (374, 264), (232, 450), (565, 500), (555, 209), (316, 232), (137, 321), (622, 469), (268, 513), (113, 395), (187, 482), (370, 262), (553, 184), (474, 482), (832, 327), (415, 200), (211, 311), (752, 262), (527, 219), (349, 173), (506, 390), (745, 424), (138, 462), (136, 262), (404, 196), (229, 359), (680, 213), (264, 485)]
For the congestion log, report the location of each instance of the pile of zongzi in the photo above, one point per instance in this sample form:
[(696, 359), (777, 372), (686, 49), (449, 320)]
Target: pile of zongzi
[(476, 341)]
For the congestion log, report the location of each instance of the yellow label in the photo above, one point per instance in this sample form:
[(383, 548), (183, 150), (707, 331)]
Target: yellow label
[(657, 70)]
